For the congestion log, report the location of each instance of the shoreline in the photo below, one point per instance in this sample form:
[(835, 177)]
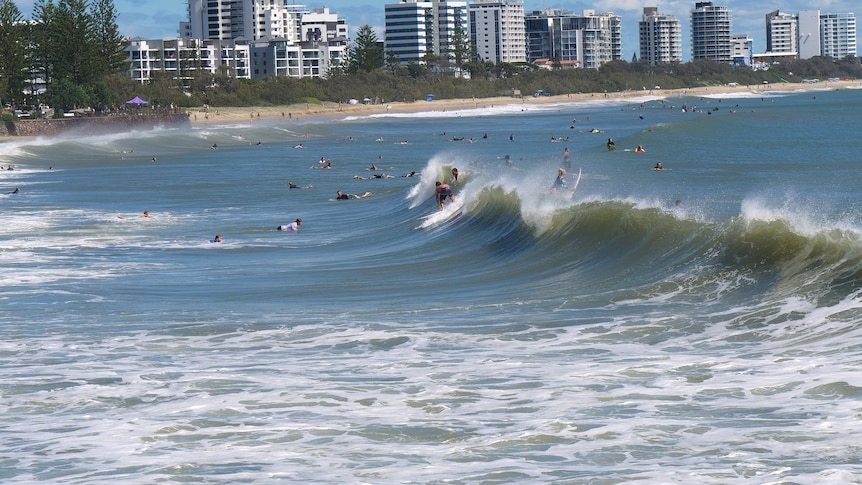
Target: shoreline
[(306, 112), (199, 117)]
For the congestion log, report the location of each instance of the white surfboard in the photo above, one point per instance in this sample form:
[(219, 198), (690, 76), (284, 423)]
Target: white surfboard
[(577, 181)]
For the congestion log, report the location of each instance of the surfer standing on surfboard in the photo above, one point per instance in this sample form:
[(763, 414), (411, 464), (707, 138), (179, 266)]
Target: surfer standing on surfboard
[(560, 182), (441, 191)]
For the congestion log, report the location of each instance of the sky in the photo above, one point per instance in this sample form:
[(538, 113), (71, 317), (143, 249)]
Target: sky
[(158, 19)]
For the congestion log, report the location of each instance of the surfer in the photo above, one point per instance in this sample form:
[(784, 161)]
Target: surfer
[(339, 195), (455, 173), (560, 182), (441, 191), (658, 166), (216, 239), (640, 149), (611, 144), (145, 214), (566, 162), (293, 226)]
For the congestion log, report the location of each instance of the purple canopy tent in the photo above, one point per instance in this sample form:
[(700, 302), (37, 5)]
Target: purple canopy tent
[(136, 100)]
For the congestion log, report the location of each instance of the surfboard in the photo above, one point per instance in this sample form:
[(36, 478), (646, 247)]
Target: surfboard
[(662, 169), (575, 185)]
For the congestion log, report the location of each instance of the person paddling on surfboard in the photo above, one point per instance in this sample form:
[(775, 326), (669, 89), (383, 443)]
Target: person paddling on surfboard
[(658, 166), (293, 226), (339, 195)]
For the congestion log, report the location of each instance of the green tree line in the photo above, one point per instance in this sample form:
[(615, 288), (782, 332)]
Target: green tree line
[(73, 46)]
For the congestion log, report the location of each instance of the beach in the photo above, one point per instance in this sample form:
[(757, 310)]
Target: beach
[(202, 116)]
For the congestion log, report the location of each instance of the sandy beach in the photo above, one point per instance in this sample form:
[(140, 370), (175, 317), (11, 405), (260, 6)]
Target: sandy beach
[(216, 115)]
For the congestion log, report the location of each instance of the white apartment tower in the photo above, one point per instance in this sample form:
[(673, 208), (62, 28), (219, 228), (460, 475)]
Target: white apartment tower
[(838, 35), (660, 37), (586, 41), (710, 33), (246, 19), (809, 33), (497, 30), (831, 35), (742, 49), (782, 33), (415, 29)]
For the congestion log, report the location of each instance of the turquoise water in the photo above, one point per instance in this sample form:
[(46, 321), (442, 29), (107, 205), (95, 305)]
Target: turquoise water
[(517, 336)]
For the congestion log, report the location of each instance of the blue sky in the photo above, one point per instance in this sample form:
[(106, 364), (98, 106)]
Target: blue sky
[(160, 18)]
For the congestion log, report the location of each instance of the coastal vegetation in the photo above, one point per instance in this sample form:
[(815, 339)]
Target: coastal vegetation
[(412, 82), (75, 47)]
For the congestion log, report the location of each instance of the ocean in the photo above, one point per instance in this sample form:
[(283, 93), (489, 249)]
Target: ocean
[(698, 324)]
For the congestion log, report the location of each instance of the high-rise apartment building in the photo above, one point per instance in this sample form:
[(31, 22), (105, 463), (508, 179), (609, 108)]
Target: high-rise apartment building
[(497, 30), (249, 38), (782, 33), (809, 33), (838, 35), (253, 20), (742, 49), (182, 57), (660, 37), (824, 34), (564, 37), (415, 29), (710, 33)]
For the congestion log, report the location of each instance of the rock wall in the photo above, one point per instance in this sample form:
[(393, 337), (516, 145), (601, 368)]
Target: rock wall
[(90, 125)]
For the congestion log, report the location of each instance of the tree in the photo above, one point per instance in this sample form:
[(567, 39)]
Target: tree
[(66, 95), (41, 41), (460, 44), (73, 54), (13, 43), (110, 46), (366, 54), (392, 62)]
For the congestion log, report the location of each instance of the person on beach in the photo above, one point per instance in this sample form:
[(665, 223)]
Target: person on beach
[(441, 191), (293, 226)]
